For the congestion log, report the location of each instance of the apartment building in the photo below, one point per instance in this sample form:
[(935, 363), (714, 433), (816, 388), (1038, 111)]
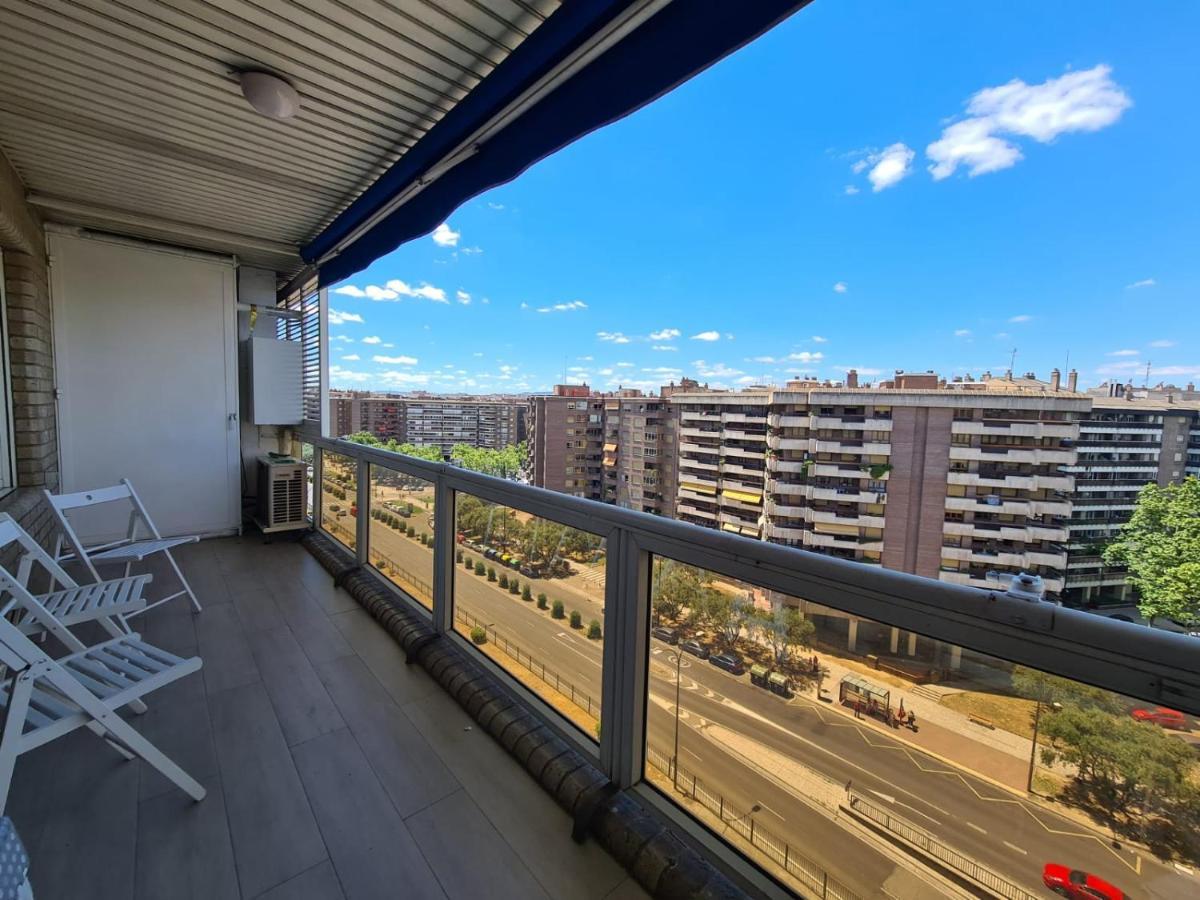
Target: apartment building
[(960, 481), (566, 440), (429, 420), (1131, 438), (639, 453)]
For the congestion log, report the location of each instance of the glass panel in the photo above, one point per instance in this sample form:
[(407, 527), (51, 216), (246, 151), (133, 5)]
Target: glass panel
[(793, 730), (401, 529), (339, 493), (532, 599)]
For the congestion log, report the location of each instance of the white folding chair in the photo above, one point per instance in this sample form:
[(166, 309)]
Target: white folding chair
[(132, 548), (44, 699), (104, 602)]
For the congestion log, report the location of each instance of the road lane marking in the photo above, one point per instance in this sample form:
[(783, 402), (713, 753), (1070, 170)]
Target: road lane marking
[(1015, 847), (693, 752), (771, 811), (976, 827)]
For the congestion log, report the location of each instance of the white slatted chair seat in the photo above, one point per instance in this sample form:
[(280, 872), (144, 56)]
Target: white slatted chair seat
[(142, 539), (87, 602), (139, 550), (43, 698)]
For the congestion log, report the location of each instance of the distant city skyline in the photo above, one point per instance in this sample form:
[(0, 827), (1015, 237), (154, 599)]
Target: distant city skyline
[(1020, 180)]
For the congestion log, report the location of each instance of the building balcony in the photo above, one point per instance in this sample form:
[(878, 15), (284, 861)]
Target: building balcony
[(862, 520), (784, 509), (793, 534), (1015, 429), (852, 423), (777, 442), (733, 450), (846, 495), (992, 504), (371, 718), (782, 420)]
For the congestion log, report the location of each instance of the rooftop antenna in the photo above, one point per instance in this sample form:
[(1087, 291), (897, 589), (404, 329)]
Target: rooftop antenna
[(1146, 383), (1012, 361)]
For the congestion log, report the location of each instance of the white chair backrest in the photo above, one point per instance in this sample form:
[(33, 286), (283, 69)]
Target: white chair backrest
[(11, 532), (81, 500), (63, 502)]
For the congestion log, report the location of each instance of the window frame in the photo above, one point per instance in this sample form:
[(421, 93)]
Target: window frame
[(8, 443)]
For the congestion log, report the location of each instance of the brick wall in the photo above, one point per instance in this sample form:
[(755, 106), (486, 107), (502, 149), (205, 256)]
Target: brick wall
[(31, 355)]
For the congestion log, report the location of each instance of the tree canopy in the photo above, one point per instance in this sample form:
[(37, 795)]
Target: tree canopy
[(504, 463), (1160, 548), (431, 453)]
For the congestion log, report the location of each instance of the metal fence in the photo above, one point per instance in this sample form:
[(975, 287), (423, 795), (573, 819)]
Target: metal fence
[(809, 873), (1148, 664), (947, 856)]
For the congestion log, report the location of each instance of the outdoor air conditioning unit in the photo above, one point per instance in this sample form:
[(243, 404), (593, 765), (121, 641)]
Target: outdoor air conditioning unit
[(282, 495)]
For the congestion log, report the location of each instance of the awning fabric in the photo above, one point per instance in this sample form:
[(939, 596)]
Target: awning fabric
[(698, 488), (744, 496), (682, 39), (610, 448)]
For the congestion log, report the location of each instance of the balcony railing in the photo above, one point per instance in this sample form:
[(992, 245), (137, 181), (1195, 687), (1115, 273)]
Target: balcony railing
[(558, 602)]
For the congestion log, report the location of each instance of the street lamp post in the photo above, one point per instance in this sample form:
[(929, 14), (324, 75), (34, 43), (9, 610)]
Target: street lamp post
[(1037, 719), (678, 679)]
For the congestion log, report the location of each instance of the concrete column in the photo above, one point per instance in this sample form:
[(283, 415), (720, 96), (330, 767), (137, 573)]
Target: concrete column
[(912, 644), (956, 657), (852, 635), (894, 641)]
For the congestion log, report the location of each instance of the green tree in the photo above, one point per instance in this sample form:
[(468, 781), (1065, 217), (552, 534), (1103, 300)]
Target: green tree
[(785, 630), (594, 633), (1160, 548), (556, 611), (576, 619), (526, 594), (1050, 689)]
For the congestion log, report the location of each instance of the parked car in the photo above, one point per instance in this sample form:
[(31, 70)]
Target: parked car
[(663, 633), (730, 662), (695, 648), (1079, 885), (1161, 715)]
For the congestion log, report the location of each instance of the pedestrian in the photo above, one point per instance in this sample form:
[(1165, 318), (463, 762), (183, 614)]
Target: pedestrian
[(901, 707), (858, 709), (912, 720)]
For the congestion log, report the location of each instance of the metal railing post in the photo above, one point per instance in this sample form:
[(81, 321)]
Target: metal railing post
[(443, 555), (626, 660), (362, 503)]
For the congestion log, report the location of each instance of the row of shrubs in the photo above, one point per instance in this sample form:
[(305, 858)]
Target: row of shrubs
[(514, 586), (392, 520)]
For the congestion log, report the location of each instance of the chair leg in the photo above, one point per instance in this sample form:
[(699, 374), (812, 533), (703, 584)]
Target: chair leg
[(129, 736), (187, 587), (21, 689)]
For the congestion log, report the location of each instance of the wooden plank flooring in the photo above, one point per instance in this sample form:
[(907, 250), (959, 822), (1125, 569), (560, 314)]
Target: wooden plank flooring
[(333, 770)]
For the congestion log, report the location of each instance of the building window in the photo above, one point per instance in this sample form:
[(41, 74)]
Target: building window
[(7, 465)]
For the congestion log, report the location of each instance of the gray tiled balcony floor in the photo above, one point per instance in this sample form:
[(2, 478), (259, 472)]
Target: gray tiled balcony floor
[(333, 769)]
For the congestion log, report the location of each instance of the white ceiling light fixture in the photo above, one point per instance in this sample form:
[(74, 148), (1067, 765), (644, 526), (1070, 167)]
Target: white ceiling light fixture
[(269, 94)]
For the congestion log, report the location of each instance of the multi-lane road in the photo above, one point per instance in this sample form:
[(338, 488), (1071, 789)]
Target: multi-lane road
[(992, 825)]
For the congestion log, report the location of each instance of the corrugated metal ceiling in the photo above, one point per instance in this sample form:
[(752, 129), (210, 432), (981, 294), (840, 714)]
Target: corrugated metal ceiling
[(126, 115)]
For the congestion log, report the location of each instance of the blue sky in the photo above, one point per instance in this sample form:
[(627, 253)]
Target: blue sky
[(870, 185)]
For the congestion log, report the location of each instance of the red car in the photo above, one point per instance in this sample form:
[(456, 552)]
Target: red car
[(1161, 715), (1079, 885)]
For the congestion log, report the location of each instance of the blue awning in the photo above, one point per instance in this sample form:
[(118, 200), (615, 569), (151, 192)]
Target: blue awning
[(682, 39)]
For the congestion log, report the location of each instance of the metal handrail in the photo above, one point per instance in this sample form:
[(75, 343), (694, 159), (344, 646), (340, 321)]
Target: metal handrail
[(1148, 664)]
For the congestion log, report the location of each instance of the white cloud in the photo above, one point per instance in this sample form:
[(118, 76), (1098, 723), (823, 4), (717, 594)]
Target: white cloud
[(351, 357), (604, 372), (840, 287), (612, 337), (471, 251), (1002, 335), (524, 305), (372, 340), (350, 291), (851, 190), (890, 166), (1087, 100), (426, 290), (663, 347), (962, 332), (375, 292), (707, 336), (404, 379), (1145, 282), (477, 355), (1124, 353), (1021, 319), (715, 370), (663, 370), (763, 359), (339, 375), (445, 236), (1163, 343), (563, 307), (585, 358), (342, 338), (859, 165), (337, 317), (861, 370), (463, 297), (625, 365), (496, 206), (817, 339), (395, 360), (666, 334), (806, 356), (747, 379)]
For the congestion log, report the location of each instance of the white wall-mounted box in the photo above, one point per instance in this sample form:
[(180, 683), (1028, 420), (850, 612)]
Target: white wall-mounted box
[(276, 372)]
